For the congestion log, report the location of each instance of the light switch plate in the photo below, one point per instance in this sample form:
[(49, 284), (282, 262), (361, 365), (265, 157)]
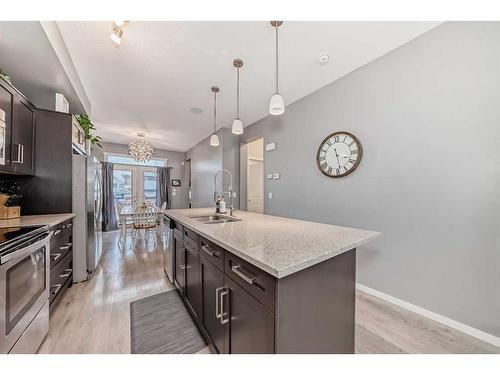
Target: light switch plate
[(270, 195), (271, 146), (276, 176), (270, 176)]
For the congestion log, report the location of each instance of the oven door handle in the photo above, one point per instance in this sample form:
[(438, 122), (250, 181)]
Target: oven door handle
[(26, 250)]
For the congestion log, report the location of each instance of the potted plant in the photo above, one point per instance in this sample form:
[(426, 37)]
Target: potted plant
[(88, 129)]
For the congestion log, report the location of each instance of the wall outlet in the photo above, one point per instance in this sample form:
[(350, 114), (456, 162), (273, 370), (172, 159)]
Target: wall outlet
[(270, 176), (234, 194), (270, 195), (276, 176), (174, 192)]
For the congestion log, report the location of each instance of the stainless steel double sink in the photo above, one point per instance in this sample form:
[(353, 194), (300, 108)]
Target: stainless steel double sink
[(214, 219)]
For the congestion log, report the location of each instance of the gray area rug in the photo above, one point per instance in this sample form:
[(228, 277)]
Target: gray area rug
[(161, 324)]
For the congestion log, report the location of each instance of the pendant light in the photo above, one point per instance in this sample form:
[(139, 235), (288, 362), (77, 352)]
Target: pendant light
[(276, 104), (237, 127), (214, 138)]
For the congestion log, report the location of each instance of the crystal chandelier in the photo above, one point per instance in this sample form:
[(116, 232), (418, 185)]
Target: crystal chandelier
[(140, 150)]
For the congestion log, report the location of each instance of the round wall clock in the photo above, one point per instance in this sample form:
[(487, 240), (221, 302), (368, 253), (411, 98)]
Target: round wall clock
[(339, 154)]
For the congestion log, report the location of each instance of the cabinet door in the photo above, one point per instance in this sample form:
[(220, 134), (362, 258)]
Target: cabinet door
[(5, 131), (251, 327), (193, 280), (212, 280), (23, 137), (180, 263)]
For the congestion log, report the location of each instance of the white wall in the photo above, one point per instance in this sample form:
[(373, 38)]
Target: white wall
[(428, 116)]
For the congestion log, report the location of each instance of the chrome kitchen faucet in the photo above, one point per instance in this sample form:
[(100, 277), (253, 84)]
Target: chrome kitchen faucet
[(230, 191)]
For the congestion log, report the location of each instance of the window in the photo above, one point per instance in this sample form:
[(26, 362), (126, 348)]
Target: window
[(129, 160)]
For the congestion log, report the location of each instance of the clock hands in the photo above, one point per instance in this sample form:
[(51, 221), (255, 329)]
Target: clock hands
[(337, 156)]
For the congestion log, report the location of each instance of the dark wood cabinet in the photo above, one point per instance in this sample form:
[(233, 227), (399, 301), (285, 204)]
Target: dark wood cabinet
[(23, 131), (19, 131), (239, 308), (193, 281), (61, 261), (212, 283), (251, 324), (6, 100), (180, 263)]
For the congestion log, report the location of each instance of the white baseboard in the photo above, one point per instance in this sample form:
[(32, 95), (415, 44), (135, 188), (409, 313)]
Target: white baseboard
[(474, 332)]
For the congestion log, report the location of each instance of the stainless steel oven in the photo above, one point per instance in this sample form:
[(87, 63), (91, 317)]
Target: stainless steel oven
[(24, 288)]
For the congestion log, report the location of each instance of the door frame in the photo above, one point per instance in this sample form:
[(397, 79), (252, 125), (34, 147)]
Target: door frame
[(137, 171), (244, 159)]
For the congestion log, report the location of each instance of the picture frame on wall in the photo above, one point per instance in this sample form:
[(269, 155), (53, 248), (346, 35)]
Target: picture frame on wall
[(176, 183)]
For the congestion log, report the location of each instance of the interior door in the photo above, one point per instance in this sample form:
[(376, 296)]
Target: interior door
[(255, 186), (212, 280), (147, 184), (251, 327), (124, 184)]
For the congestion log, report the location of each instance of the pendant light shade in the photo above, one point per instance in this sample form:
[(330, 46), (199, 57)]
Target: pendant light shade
[(277, 103), (237, 127), (214, 138)]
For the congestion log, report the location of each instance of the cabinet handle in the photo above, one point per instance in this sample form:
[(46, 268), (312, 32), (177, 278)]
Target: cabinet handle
[(69, 271), (222, 313), (250, 280), (20, 152), (182, 251), (57, 286), (66, 247), (205, 248), (184, 266), (55, 256), (217, 300), (57, 232)]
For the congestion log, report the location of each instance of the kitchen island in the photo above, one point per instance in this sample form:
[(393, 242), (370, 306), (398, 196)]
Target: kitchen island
[(265, 284)]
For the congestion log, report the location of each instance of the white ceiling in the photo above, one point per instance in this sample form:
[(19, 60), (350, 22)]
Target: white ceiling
[(162, 69)]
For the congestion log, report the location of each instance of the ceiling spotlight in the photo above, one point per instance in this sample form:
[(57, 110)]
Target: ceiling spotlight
[(324, 58), (116, 35)]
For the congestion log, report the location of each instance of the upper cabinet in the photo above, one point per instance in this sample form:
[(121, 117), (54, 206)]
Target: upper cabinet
[(17, 131), (23, 131)]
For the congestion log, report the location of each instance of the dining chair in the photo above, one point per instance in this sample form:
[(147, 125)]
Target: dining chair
[(145, 219), (125, 224)]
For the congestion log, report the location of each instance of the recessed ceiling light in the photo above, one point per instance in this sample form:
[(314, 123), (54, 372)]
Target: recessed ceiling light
[(196, 110), (324, 58)]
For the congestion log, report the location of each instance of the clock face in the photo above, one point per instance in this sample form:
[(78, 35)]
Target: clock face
[(339, 154)]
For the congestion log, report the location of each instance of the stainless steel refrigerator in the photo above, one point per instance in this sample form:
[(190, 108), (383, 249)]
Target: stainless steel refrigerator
[(87, 205)]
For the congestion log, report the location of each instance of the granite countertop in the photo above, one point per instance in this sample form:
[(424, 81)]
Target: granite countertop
[(32, 220), (277, 245)]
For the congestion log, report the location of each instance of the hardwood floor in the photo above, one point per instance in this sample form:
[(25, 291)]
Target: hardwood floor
[(93, 317)]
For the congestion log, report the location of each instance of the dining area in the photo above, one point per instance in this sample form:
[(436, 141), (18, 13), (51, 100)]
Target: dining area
[(139, 221)]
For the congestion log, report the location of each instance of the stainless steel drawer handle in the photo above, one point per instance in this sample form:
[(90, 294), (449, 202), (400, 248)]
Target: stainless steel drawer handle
[(57, 232), (57, 286), (66, 247), (184, 266), (222, 313), (55, 256), (64, 275), (250, 280), (217, 300), (207, 250), (20, 154)]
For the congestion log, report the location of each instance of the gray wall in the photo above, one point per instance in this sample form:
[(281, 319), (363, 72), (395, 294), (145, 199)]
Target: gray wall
[(206, 161), (428, 116), (175, 160)]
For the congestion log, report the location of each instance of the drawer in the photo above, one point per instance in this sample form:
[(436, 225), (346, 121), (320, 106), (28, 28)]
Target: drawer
[(178, 228), (258, 283), (62, 230), (59, 249), (191, 237), (212, 252), (60, 275)]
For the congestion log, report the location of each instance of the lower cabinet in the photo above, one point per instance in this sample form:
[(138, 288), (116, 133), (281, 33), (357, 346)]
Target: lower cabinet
[(212, 284), (61, 261), (251, 325), (193, 290), (180, 263)]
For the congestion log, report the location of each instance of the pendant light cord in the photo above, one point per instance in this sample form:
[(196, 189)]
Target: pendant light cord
[(276, 59), (215, 110), (238, 92)]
